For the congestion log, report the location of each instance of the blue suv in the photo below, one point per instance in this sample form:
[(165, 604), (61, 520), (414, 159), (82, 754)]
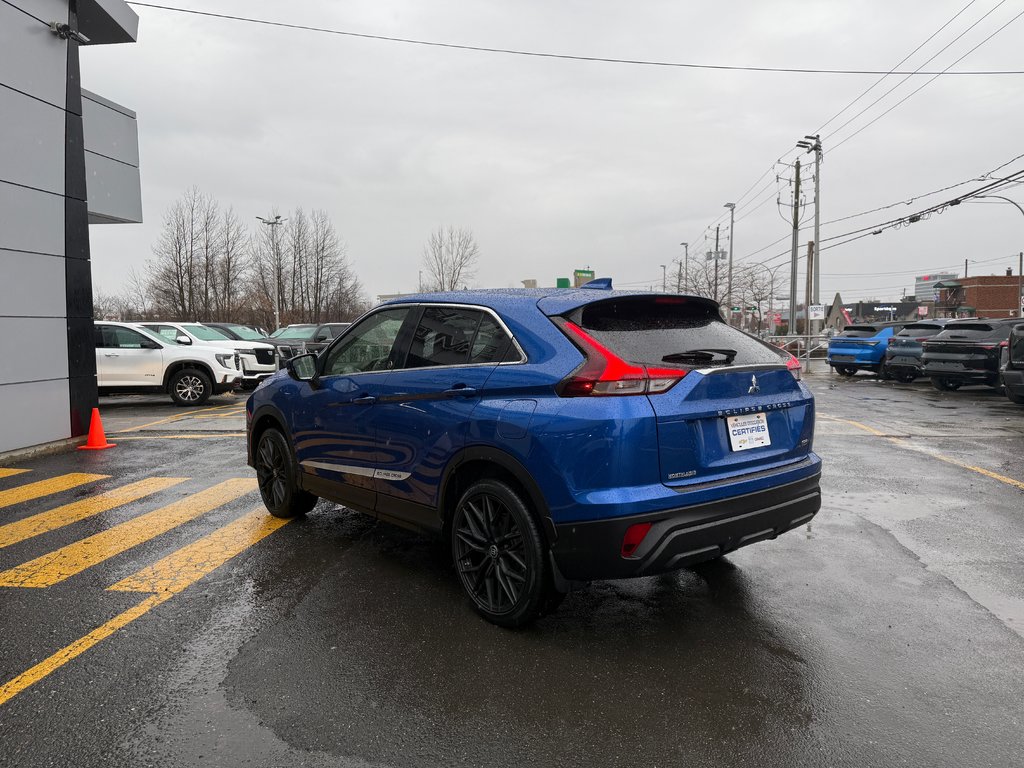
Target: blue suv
[(549, 436), (861, 348)]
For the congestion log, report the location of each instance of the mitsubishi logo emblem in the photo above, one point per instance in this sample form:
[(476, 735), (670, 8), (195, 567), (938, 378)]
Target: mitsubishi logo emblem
[(754, 389)]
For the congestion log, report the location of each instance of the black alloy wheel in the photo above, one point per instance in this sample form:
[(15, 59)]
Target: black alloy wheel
[(945, 385), (276, 477), (500, 556)]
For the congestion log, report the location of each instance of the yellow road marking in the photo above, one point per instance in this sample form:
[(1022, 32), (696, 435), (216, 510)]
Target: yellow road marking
[(182, 437), (902, 443), (175, 417), (189, 564), (9, 472), (55, 567), (79, 510), (46, 487), (34, 674), (166, 577)]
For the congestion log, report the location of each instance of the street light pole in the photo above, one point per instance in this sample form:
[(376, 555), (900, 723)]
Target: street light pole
[(728, 283), (273, 223), (686, 266), (664, 283)]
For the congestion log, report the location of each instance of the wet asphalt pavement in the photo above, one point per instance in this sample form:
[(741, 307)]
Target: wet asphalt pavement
[(888, 632)]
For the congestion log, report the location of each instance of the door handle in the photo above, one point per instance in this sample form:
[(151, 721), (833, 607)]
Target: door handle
[(460, 390), (364, 400)]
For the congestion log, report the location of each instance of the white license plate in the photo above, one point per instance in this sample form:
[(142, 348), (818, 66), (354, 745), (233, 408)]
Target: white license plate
[(748, 431)]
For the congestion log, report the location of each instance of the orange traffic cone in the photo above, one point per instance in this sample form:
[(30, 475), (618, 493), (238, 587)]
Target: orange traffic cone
[(97, 440)]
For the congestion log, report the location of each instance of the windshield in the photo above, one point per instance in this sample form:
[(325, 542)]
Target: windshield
[(294, 332), (920, 330), (245, 332), (205, 333), (967, 331), (859, 331)]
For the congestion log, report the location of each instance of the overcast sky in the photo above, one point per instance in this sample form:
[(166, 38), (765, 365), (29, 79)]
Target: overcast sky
[(554, 164)]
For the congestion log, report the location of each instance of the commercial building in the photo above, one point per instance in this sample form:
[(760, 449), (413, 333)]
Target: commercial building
[(924, 285), (981, 296), (68, 158)]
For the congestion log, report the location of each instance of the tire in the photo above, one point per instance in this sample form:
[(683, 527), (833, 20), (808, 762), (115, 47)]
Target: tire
[(1018, 399), (190, 386), (501, 556), (945, 385), (883, 372), (845, 370), (276, 477)]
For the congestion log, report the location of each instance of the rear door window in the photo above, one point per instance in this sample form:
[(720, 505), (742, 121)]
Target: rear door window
[(676, 333), (443, 336)]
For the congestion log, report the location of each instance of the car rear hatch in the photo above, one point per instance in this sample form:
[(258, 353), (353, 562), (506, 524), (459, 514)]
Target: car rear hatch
[(905, 347), (853, 343), (724, 402), (965, 347)]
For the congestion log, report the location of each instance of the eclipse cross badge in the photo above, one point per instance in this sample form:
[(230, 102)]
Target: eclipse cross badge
[(754, 389)]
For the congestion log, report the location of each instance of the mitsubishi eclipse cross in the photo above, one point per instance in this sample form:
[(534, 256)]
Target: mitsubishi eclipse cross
[(549, 436)]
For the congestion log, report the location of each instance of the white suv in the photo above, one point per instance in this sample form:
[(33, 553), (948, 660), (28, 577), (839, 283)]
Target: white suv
[(258, 358), (131, 359)]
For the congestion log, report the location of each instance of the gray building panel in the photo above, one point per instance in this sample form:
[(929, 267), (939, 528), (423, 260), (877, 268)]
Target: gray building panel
[(33, 414), (114, 190), (110, 130), (107, 21), (34, 59), (34, 286), (44, 10), (31, 220), (27, 156), (33, 349)]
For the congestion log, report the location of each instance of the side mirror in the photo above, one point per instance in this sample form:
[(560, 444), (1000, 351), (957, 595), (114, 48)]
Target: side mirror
[(302, 367), (183, 339), (147, 344)]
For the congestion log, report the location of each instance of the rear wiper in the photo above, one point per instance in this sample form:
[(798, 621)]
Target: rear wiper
[(701, 356)]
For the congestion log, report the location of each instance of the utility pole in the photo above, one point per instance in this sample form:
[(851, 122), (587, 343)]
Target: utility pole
[(716, 261), (686, 266), (728, 283), (813, 144), (664, 284), (808, 293), (792, 255), (273, 223)]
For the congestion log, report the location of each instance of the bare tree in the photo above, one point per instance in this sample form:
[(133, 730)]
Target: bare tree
[(450, 257)]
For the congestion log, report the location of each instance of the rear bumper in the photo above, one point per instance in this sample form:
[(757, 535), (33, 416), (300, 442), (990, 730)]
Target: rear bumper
[(684, 536), (959, 372)]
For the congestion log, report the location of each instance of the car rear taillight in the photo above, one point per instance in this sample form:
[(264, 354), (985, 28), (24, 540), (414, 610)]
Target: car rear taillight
[(794, 367), (634, 536), (605, 373)]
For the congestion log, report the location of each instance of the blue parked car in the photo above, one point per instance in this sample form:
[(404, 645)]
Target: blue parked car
[(861, 347), (549, 436)]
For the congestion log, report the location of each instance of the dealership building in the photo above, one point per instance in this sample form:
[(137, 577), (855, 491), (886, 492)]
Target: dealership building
[(68, 158)]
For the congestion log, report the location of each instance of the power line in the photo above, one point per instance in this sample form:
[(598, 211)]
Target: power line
[(925, 84), (549, 55), (927, 61), (900, 64)]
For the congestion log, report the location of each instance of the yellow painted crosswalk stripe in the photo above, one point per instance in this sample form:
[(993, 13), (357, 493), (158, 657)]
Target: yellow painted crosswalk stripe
[(6, 472), (66, 514), (59, 565), (189, 564), (36, 673), (165, 578), (40, 488)]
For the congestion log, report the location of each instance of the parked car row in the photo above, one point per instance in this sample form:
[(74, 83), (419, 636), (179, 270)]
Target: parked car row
[(951, 353)]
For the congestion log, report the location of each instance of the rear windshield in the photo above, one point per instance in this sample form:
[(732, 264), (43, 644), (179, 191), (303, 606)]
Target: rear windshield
[(245, 332), (859, 330), (921, 330), (294, 332), (967, 331), (672, 333)]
